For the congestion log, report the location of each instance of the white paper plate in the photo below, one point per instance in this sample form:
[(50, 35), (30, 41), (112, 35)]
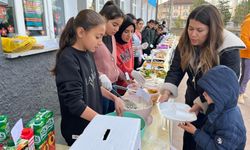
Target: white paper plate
[(177, 112)]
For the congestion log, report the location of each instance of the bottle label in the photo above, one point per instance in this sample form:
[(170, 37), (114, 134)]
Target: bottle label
[(2, 136), (50, 124), (4, 132), (41, 135)]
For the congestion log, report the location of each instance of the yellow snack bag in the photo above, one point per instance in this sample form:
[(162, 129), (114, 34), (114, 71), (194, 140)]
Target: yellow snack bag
[(17, 44)]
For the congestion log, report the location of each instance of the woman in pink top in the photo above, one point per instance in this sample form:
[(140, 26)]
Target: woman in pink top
[(105, 54)]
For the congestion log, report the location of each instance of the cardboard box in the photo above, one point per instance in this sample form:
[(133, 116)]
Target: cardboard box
[(110, 133)]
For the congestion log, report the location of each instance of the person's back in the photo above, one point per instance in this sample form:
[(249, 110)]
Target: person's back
[(224, 128)]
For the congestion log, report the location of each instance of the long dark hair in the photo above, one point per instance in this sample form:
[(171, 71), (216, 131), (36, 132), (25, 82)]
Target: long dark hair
[(111, 11), (209, 15), (87, 19)]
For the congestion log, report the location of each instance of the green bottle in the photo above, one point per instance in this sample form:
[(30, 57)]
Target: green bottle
[(4, 128), (10, 145), (40, 132), (49, 117)]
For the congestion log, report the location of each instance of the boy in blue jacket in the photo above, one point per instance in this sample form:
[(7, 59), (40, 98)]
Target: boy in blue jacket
[(224, 127)]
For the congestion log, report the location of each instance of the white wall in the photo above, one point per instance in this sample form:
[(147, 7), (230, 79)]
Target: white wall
[(19, 17), (138, 8), (127, 6), (70, 9), (151, 12), (144, 12)]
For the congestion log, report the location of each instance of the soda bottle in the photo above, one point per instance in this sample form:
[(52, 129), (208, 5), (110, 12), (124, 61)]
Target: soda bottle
[(40, 132), (49, 117), (4, 129)]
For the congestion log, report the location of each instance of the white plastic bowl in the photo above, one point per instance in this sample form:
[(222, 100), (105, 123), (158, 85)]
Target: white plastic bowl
[(144, 110)]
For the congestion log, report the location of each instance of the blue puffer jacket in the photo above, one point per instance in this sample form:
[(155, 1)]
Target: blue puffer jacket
[(224, 128)]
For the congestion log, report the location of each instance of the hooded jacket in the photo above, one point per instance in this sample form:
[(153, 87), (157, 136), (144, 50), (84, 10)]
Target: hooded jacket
[(224, 128), (245, 37)]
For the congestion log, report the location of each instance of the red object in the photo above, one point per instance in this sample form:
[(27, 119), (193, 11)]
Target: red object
[(27, 133)]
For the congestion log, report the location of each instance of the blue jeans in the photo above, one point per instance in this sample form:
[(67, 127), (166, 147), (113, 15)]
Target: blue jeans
[(108, 105), (245, 74)]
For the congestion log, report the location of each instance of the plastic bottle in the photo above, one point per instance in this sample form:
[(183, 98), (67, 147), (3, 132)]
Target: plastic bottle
[(4, 129), (49, 117), (40, 132)]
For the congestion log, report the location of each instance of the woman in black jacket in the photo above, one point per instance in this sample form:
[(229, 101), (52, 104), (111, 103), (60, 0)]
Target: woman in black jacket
[(203, 45)]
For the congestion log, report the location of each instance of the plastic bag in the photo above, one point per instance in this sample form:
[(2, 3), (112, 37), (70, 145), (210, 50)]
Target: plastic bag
[(17, 44)]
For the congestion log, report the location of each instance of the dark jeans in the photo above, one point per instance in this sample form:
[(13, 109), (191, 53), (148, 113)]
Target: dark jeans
[(108, 105)]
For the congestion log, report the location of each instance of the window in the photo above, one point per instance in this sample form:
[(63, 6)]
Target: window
[(43, 19), (7, 21), (122, 5), (91, 4), (134, 7), (101, 4), (58, 16), (34, 17), (175, 14), (98, 4), (185, 14)]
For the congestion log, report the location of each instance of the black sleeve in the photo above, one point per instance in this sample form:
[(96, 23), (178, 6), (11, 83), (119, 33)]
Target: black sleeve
[(231, 58), (69, 85), (145, 36), (175, 73)]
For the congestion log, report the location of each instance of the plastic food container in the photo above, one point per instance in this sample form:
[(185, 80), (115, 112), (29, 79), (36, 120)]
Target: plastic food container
[(154, 93)]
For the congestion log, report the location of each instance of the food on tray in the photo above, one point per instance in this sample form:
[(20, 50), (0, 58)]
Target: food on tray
[(161, 74), (147, 73), (160, 54), (158, 60), (152, 91), (154, 64), (154, 94)]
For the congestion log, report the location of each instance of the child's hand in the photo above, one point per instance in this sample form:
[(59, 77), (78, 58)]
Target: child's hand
[(195, 108), (188, 127), (119, 106)]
